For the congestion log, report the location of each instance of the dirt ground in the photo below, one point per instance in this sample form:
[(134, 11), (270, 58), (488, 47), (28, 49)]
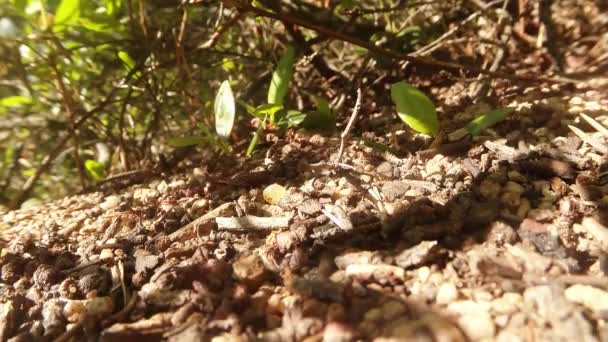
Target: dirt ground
[(503, 237)]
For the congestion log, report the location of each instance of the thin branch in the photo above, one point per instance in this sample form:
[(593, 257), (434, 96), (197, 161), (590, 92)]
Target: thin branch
[(349, 125), (392, 54)]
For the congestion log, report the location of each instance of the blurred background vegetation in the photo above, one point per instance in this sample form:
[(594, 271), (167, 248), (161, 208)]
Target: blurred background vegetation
[(94, 89)]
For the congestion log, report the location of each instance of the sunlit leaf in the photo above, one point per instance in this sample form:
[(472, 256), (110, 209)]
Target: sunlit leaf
[(112, 6), (228, 64), (224, 108), (15, 101), (415, 108), (67, 13), (96, 26), (487, 120), (95, 169), (268, 108), (186, 141), (127, 60), (279, 84)]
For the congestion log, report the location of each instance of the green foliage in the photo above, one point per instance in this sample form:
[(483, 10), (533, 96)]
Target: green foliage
[(14, 101), (224, 108), (67, 13), (415, 108), (323, 118), (487, 120), (281, 77), (95, 169)]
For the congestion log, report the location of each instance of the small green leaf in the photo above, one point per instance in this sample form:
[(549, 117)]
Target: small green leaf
[(127, 60), (415, 108), (487, 120), (186, 141), (268, 108), (323, 118), (95, 169), (14, 101), (294, 118), (279, 84), (224, 108), (67, 13)]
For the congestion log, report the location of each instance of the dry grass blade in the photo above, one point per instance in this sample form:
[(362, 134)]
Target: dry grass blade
[(598, 126), (601, 147)]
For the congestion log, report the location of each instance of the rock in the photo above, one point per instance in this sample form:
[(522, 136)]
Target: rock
[(110, 202), (552, 309), (393, 190), (338, 332), (95, 308), (106, 253), (474, 319), (249, 269), (501, 233), (146, 262), (590, 297), (358, 257), (386, 169), (543, 237), (420, 254), (310, 207), (481, 214), (489, 189), (507, 304), (532, 261), (145, 195), (382, 273), (446, 293)]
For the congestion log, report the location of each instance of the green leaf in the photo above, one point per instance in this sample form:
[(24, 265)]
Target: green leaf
[(67, 13), (323, 106), (415, 108), (186, 141), (224, 108), (112, 6), (268, 109), (127, 60), (279, 84), (487, 120), (14, 101), (295, 118), (98, 27), (323, 118), (95, 169)]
